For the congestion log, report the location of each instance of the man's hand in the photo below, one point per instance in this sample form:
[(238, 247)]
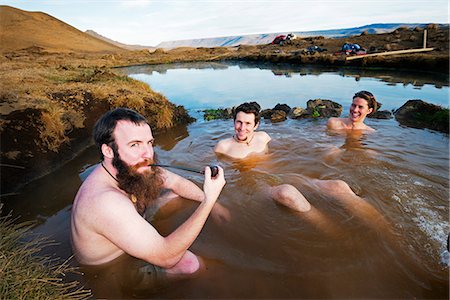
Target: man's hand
[(213, 186)]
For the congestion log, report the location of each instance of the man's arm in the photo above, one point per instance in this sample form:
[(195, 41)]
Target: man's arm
[(189, 190), (120, 223), (182, 186)]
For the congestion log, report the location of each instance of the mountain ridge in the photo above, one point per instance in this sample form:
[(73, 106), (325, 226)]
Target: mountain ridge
[(119, 44), (266, 38)]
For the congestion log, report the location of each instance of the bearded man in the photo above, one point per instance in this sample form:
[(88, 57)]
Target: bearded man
[(107, 213)]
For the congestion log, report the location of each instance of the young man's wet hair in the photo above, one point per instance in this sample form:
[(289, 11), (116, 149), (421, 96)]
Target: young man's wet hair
[(249, 108)]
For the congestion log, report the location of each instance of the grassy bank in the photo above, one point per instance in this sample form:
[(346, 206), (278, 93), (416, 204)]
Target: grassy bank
[(50, 103), (25, 274)]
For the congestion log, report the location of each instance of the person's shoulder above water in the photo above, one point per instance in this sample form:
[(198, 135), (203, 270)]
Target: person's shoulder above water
[(263, 136), (223, 146), (335, 123), (343, 124), (236, 149), (363, 105)]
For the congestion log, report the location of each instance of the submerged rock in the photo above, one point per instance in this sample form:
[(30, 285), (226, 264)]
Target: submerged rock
[(420, 114)]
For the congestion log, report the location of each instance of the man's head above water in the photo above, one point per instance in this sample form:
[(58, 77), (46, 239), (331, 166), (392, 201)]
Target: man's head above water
[(246, 139), (103, 132), (246, 121), (125, 139), (248, 108)]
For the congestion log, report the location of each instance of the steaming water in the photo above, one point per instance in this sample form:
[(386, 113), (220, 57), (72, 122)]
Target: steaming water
[(267, 251)]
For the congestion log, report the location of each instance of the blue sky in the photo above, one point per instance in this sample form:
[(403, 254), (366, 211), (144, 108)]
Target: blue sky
[(149, 22)]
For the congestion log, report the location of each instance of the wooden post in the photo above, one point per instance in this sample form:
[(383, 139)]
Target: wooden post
[(424, 38), (397, 52)]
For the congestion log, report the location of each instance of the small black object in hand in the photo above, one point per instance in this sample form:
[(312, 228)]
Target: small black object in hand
[(214, 171)]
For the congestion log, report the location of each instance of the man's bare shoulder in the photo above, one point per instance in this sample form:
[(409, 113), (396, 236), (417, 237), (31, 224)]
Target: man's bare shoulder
[(263, 136), (335, 123), (98, 196), (223, 145)]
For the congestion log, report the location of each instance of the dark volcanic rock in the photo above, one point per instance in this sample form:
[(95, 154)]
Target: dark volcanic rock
[(381, 114), (420, 114), (319, 108), (284, 107), (266, 113)]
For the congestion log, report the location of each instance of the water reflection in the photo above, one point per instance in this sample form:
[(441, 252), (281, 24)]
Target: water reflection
[(391, 76), (171, 137), (212, 85)]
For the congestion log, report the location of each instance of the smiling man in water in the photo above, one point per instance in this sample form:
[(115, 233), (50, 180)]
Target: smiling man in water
[(107, 213), (363, 104), (246, 141)]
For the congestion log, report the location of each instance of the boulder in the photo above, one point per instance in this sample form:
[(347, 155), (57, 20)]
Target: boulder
[(420, 114), (278, 116), (220, 113), (296, 112), (321, 108), (266, 113), (381, 114), (284, 107)]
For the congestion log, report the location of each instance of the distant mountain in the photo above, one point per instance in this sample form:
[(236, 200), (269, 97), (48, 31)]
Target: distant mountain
[(258, 39), (21, 29), (118, 44)]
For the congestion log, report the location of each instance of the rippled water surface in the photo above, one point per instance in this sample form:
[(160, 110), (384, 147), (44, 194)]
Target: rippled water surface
[(268, 251)]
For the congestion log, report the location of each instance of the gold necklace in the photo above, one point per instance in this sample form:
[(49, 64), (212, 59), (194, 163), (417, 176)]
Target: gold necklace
[(241, 142)]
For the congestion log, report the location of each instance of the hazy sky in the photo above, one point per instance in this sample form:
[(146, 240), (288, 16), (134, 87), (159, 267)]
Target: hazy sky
[(149, 22)]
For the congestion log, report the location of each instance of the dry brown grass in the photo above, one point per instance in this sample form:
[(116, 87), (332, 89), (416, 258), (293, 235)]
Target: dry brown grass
[(52, 131), (62, 91), (25, 274)]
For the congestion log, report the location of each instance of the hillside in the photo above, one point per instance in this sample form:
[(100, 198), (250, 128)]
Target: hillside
[(261, 39), (21, 29), (118, 44)]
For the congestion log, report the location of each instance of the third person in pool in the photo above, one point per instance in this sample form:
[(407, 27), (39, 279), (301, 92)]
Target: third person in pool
[(363, 104)]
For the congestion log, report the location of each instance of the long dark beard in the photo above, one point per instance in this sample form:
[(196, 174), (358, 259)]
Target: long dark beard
[(146, 187)]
